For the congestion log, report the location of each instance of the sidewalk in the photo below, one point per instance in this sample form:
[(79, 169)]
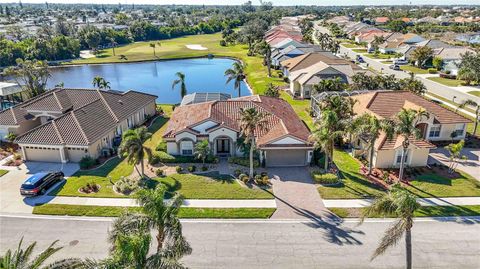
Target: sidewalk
[(126, 202), (449, 201)]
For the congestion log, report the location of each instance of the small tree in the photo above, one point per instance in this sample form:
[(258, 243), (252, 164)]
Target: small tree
[(202, 150), (10, 137), (251, 122), (180, 80), (437, 62), (455, 151), (152, 45), (133, 149), (421, 55), (32, 76), (272, 91)]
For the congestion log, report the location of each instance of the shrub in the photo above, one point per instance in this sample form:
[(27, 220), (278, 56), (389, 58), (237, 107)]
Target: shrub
[(204, 168), (159, 172), (17, 156), (154, 159), (223, 43), (162, 146), (87, 162), (244, 178), (327, 178), (192, 168), (262, 180), (243, 161), (237, 172), (125, 185), (90, 187), (179, 169), (432, 70)]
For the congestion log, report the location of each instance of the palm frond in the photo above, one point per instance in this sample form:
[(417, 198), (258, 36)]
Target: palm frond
[(390, 238)]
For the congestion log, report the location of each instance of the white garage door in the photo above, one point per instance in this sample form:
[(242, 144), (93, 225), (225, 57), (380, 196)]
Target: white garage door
[(42, 154), (286, 157)]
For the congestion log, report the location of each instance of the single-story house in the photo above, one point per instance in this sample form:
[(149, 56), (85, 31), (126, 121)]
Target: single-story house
[(442, 125), (307, 60), (398, 42), (283, 143), (381, 20), (64, 125), (292, 52), (451, 57)]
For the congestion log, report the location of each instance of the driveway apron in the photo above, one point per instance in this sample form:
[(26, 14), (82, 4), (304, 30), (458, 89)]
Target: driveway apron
[(296, 195)]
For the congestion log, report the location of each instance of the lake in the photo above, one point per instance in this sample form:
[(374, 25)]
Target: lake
[(201, 75)]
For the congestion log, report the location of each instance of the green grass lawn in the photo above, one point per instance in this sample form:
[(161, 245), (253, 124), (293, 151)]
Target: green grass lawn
[(211, 187), (424, 211), (387, 62), (360, 50), (3, 172), (114, 211), (379, 56), (354, 185), (428, 185), (413, 69), (351, 45), (476, 93), (446, 81), (257, 76)]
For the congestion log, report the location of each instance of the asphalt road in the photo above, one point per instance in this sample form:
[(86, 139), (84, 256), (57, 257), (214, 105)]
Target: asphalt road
[(270, 244)]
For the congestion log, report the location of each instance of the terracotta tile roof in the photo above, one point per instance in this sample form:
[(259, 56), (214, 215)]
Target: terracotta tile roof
[(14, 116), (386, 104), (94, 113), (281, 118)]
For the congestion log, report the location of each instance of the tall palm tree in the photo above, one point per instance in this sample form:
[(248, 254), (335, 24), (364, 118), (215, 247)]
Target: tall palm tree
[(469, 102), (133, 149), (406, 126), (22, 258), (252, 122), (264, 49), (180, 80), (237, 74), (330, 85), (100, 83), (401, 203), (369, 128), (130, 236), (114, 44), (153, 45)]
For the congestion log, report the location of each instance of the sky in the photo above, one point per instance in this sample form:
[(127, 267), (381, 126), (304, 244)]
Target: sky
[(256, 2)]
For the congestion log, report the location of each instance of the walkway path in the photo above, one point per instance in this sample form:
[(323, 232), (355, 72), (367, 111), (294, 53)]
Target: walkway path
[(295, 194), (127, 202), (460, 201)]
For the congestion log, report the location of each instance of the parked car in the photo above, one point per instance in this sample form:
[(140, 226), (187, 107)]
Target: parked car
[(40, 182), (370, 50), (400, 62), (394, 67), (360, 59)]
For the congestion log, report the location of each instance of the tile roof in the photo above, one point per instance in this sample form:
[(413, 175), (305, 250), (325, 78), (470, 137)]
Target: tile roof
[(386, 104), (310, 59), (93, 113), (281, 118)]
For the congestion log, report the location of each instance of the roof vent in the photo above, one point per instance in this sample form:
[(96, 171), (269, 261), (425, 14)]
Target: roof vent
[(120, 102)]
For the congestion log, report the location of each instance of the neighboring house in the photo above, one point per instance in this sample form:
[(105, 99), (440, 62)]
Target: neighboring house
[(436, 45), (399, 43), (287, 42), (201, 97), (381, 20), (442, 125), (64, 125), (283, 143), (302, 81), (292, 52), (307, 60), (452, 57), (369, 36)]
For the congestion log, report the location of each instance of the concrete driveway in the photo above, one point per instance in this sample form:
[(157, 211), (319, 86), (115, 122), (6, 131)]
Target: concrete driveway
[(10, 199), (470, 166), (295, 194)]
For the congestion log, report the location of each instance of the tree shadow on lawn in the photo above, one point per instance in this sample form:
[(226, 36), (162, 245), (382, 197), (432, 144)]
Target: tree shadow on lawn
[(355, 178)]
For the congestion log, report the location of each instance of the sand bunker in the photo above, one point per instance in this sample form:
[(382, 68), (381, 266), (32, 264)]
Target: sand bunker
[(85, 54), (195, 47)]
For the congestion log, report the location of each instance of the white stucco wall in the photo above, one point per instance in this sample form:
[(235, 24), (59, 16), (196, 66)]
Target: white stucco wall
[(172, 148), (185, 135), (223, 132)]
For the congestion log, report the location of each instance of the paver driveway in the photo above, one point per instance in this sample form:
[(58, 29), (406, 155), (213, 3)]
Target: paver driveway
[(10, 199), (470, 166), (296, 195)]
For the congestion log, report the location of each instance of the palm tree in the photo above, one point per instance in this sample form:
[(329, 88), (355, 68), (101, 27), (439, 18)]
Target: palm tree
[(401, 203), (133, 149), (130, 235), (469, 102), (330, 85), (266, 51), (180, 80), (100, 83), (252, 122), (237, 74), (406, 126), (202, 150), (455, 151), (369, 128), (22, 258), (152, 45)]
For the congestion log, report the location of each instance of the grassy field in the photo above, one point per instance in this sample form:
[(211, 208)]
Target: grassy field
[(446, 81), (360, 50), (476, 93), (425, 211), (354, 185), (211, 187), (379, 56), (3, 172), (413, 69), (114, 211)]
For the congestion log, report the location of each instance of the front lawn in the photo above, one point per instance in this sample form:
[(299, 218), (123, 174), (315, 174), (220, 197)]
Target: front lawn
[(413, 69), (301, 107), (3, 172), (424, 211), (360, 50), (351, 45), (379, 56), (476, 93), (185, 212), (354, 186), (434, 185), (211, 187), (447, 82)]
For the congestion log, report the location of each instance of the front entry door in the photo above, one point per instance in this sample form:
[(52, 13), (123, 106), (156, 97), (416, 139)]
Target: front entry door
[(223, 146)]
